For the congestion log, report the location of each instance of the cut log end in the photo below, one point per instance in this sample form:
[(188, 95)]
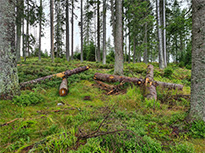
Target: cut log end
[(63, 92)]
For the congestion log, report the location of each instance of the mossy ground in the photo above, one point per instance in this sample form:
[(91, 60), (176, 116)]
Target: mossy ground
[(150, 126)]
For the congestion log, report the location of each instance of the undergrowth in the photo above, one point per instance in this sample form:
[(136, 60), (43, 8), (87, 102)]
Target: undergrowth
[(120, 123)]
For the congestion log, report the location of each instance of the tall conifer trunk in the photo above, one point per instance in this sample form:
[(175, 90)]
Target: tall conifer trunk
[(52, 29), (9, 84), (81, 27), (118, 69), (197, 110), (67, 32), (40, 29), (98, 31), (104, 32)]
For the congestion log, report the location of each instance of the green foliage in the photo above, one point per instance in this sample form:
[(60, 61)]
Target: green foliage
[(197, 129), (28, 98), (52, 128), (183, 148), (168, 72), (152, 103)]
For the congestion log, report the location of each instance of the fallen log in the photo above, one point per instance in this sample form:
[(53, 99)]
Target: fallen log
[(117, 78), (150, 89), (63, 90), (169, 85), (65, 74), (136, 81)]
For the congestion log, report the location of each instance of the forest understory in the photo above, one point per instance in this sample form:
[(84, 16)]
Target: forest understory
[(90, 119)]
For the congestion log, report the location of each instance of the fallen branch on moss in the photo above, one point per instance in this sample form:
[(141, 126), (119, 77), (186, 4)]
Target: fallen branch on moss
[(7, 123)]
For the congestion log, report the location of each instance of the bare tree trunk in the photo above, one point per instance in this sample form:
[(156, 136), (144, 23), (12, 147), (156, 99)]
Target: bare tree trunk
[(27, 30), (197, 110), (23, 43), (164, 33), (9, 83), (98, 31), (118, 69), (145, 41), (129, 47), (40, 29), (67, 32), (81, 56), (52, 29), (161, 57), (134, 50), (72, 30), (104, 31), (18, 26)]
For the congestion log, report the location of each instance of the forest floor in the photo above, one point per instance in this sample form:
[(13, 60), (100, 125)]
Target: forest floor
[(89, 120)]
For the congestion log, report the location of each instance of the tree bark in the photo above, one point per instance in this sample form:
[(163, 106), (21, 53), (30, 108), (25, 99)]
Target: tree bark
[(164, 33), (104, 31), (40, 29), (67, 32), (9, 83), (161, 57), (72, 30), (129, 48), (52, 29), (145, 41), (63, 90), (134, 50), (65, 74), (118, 69), (197, 110), (81, 56), (98, 31), (27, 30), (117, 78), (150, 89), (18, 27)]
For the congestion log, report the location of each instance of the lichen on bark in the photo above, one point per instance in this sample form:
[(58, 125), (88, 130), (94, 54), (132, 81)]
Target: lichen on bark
[(9, 85), (197, 110)]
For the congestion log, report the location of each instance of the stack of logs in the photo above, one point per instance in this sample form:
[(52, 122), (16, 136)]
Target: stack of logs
[(148, 83)]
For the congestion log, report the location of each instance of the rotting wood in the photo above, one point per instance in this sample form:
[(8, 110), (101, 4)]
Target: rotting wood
[(63, 90), (150, 89), (65, 74), (136, 81)]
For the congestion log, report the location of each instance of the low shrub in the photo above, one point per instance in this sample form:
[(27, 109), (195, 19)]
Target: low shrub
[(28, 98)]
